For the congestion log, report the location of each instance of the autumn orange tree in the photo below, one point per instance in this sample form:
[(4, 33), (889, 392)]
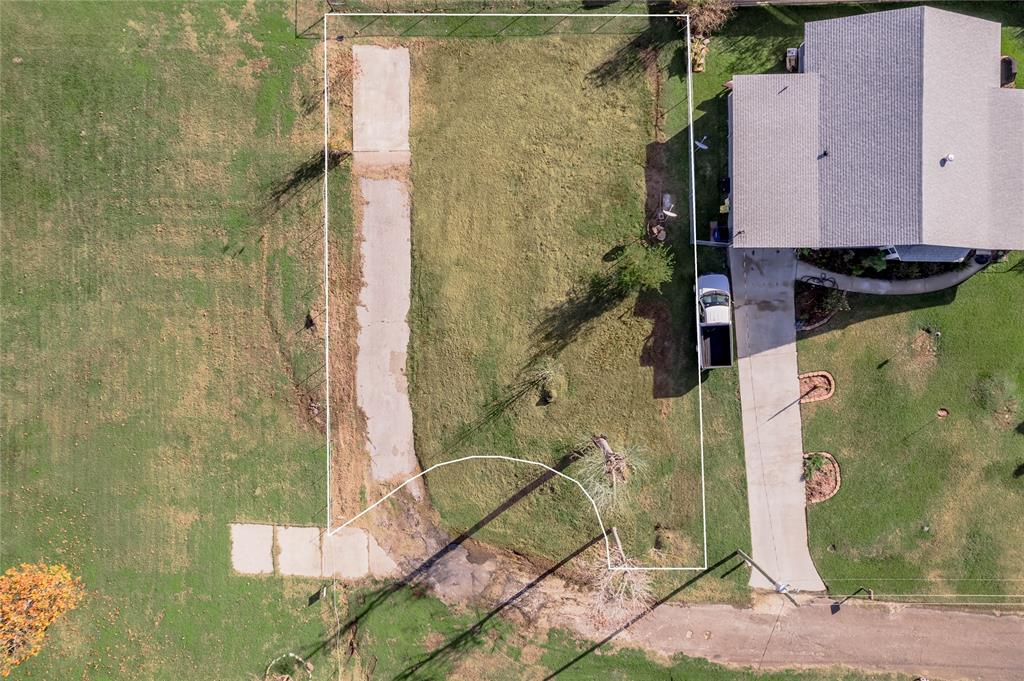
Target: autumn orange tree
[(32, 597)]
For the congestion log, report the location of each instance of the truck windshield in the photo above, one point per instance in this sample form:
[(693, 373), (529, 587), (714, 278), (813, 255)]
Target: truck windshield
[(714, 299)]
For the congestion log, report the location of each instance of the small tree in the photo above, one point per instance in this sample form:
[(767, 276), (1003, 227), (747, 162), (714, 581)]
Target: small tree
[(32, 597), (643, 268), (706, 16), (812, 464)]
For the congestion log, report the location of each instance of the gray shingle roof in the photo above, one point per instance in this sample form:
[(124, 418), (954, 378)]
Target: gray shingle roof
[(788, 169), (896, 92)]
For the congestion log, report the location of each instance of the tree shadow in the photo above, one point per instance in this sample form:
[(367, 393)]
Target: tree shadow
[(564, 322), (309, 17), (661, 601), (673, 375), (498, 406), (416, 578), (636, 56), (460, 644), (282, 192)]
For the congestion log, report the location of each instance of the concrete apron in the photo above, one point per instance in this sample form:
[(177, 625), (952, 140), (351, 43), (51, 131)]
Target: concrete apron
[(762, 281)]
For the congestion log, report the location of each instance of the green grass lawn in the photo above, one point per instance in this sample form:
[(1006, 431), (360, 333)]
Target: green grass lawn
[(902, 470), (154, 292), (932, 503), (528, 169), (153, 295)]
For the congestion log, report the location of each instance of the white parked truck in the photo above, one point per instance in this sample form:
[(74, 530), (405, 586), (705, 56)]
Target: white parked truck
[(714, 302)]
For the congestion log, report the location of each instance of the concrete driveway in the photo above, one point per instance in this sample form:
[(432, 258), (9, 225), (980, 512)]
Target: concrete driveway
[(762, 281)]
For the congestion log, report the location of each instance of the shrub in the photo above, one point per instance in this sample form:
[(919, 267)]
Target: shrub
[(861, 261), (643, 268), (813, 464), (32, 597), (549, 377), (610, 477)]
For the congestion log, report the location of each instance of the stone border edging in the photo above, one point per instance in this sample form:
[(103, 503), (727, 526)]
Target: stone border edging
[(831, 389), (839, 475)]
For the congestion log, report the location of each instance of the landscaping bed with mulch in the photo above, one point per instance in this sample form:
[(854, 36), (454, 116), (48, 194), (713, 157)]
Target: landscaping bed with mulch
[(816, 386), (821, 477), (871, 262), (816, 305)]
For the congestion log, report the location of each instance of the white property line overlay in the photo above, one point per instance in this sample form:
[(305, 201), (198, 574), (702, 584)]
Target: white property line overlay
[(498, 457), (693, 240), (635, 15), (327, 288)]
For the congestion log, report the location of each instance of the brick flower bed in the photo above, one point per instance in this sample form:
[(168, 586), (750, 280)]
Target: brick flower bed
[(816, 386), (824, 482)]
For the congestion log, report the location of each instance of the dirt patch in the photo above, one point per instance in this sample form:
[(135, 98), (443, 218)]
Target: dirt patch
[(189, 32), (350, 462), (816, 386), (823, 482), (657, 174), (915, 362), (341, 75), (386, 169), (230, 25), (433, 640), (923, 351), (1007, 416)]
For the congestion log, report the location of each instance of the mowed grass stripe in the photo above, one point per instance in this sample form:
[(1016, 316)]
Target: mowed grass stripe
[(152, 295)]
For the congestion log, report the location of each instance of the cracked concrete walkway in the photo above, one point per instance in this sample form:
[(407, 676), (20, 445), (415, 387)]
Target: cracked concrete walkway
[(380, 142), (350, 553), (762, 282)]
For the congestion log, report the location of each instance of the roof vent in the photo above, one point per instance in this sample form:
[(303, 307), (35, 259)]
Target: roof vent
[(949, 158)]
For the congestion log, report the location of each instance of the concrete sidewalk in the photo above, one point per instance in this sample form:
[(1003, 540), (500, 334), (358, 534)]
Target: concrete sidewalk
[(885, 287), (762, 282), (380, 140)]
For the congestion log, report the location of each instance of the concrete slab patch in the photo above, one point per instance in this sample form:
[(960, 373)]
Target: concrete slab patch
[(380, 99), (252, 548), (456, 579), (380, 142), (381, 564), (381, 384), (299, 551), (345, 554)]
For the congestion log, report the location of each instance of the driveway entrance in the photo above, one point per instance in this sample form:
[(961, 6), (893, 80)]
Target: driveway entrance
[(762, 281)]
